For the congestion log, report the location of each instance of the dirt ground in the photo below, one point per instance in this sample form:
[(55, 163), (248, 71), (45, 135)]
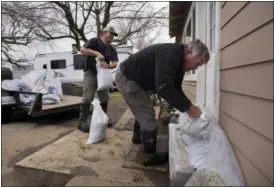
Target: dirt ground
[(26, 136)]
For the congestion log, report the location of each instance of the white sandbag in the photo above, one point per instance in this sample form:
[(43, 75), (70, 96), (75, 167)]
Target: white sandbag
[(221, 157), (213, 150), (194, 127), (26, 99), (98, 126), (33, 80), (193, 130), (13, 85), (104, 79), (53, 85), (188, 140), (50, 99), (43, 82), (197, 152)]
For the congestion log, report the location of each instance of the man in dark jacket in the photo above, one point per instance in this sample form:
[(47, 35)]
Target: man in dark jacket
[(159, 68), (98, 47)]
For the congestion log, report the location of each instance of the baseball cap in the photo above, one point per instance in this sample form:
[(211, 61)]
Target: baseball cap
[(110, 29)]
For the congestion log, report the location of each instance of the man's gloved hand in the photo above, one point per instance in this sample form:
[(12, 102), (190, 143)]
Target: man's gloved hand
[(194, 111)]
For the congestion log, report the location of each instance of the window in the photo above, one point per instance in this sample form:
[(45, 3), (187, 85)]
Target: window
[(58, 64), (189, 32), (45, 66), (212, 20), (78, 61)]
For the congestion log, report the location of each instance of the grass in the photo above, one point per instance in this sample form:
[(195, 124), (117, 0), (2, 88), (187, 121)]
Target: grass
[(116, 96)]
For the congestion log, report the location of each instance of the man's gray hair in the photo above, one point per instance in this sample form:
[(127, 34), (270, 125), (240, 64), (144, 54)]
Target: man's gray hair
[(198, 48)]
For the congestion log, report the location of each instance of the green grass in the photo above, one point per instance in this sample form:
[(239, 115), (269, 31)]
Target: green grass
[(116, 96)]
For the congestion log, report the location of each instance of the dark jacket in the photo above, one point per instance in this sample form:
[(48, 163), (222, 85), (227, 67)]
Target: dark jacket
[(107, 50), (159, 68)]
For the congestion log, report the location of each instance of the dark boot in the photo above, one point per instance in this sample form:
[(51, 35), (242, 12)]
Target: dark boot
[(151, 158), (105, 109), (84, 122), (136, 138)]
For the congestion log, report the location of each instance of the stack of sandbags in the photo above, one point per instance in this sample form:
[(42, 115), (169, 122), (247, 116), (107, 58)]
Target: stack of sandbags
[(208, 150)]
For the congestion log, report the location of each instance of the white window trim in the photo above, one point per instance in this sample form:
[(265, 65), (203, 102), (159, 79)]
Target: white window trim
[(191, 76), (214, 26)]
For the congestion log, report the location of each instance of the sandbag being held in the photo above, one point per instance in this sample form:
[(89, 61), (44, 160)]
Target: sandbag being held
[(104, 79)]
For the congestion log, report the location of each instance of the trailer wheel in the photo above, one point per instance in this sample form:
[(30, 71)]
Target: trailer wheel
[(6, 114)]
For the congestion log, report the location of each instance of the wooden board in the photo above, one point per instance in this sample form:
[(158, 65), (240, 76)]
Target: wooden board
[(67, 100)]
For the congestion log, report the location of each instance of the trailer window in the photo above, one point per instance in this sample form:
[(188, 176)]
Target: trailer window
[(58, 64), (45, 66), (78, 61)]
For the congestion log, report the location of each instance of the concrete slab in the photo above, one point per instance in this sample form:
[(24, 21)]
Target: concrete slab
[(179, 168), (128, 117), (134, 157), (70, 155)]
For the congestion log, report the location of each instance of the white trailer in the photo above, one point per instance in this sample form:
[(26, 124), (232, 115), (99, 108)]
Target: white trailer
[(69, 67)]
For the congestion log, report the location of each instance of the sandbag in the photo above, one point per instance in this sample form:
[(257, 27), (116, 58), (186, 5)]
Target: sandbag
[(194, 127), (12, 85), (221, 157), (197, 152), (193, 130), (104, 79), (209, 148), (98, 126), (43, 82)]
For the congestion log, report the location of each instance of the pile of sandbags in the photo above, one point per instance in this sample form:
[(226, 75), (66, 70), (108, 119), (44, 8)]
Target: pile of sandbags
[(39, 82), (208, 148)]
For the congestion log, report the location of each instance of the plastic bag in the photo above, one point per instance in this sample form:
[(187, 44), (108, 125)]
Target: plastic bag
[(98, 126), (104, 79), (221, 157), (193, 130), (208, 147), (13, 85), (43, 82), (197, 152), (194, 127), (34, 80)]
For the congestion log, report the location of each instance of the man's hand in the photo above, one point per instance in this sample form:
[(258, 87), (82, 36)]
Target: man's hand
[(194, 111), (100, 56), (113, 65), (105, 65)]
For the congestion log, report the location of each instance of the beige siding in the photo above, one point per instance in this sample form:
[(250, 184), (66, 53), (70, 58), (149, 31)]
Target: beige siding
[(239, 21), (229, 10), (189, 88), (253, 48), (246, 84)]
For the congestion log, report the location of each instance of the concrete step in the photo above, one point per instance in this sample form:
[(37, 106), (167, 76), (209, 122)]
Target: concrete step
[(179, 167), (71, 156)]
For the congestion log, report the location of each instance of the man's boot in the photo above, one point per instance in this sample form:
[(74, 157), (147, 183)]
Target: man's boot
[(84, 123), (105, 109), (136, 138), (151, 158)]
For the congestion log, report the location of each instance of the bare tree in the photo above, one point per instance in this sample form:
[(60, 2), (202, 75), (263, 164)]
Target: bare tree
[(76, 20), (18, 25), (46, 21)]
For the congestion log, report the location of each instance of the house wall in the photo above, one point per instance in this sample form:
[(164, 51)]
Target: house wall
[(246, 86)]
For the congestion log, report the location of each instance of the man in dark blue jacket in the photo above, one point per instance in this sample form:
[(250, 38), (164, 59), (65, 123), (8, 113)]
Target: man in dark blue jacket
[(159, 68)]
